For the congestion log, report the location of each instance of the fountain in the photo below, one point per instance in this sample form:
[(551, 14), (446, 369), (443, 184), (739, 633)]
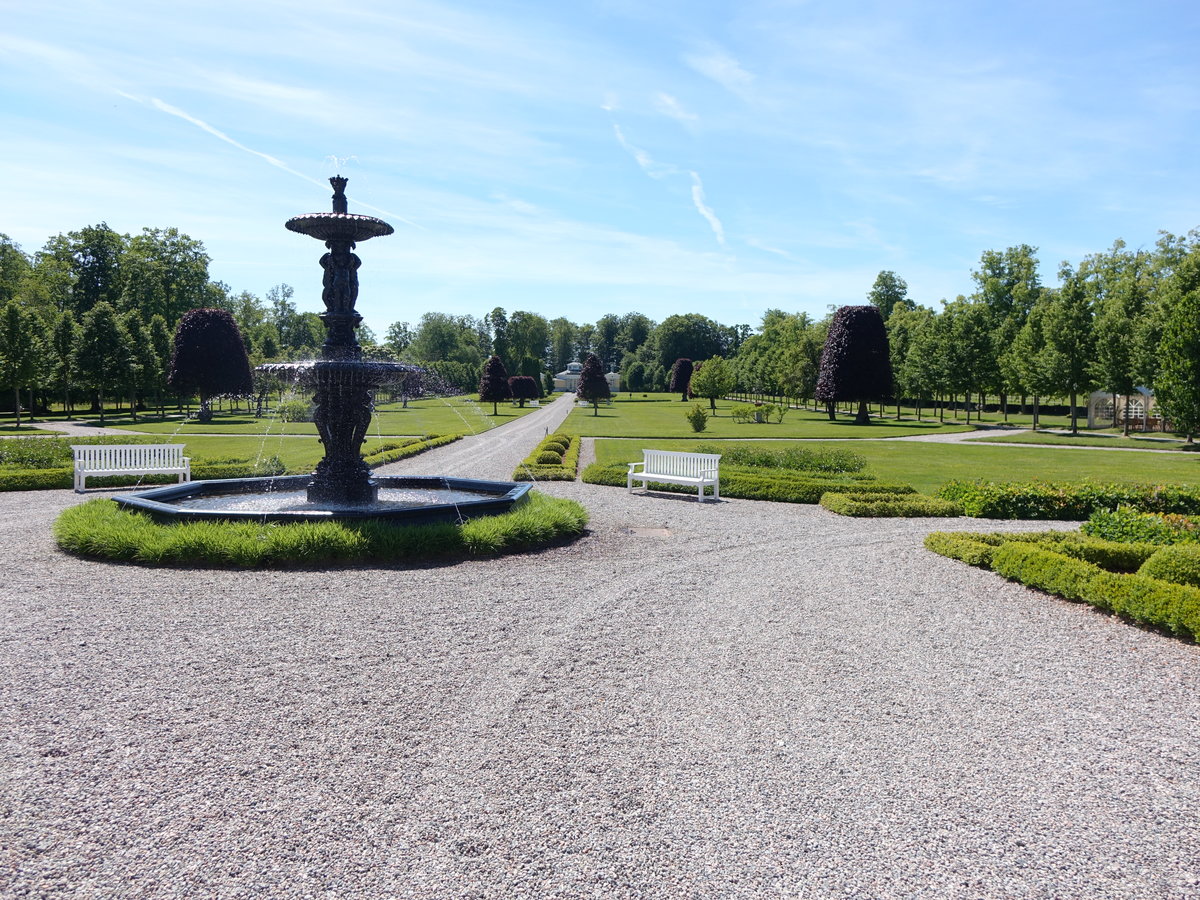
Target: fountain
[(342, 486)]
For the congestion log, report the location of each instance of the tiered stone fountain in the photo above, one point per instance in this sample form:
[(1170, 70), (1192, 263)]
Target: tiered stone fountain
[(342, 485)]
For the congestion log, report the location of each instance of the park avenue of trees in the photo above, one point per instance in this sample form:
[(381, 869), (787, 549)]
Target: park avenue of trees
[(93, 313)]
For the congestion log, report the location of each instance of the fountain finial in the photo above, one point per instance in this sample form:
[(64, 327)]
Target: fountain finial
[(339, 193)]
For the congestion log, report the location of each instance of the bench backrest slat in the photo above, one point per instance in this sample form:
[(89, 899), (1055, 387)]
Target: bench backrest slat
[(678, 463), (128, 456)]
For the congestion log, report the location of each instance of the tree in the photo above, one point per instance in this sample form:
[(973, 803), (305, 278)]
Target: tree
[(713, 379), (681, 377), (95, 254), (144, 363), (522, 388), (20, 350), (855, 363), (604, 340), (102, 355), (1025, 361), (162, 342), (1122, 293), (209, 358), (493, 383), (397, 338), (15, 268), (64, 339), (562, 344), (528, 335), (497, 323), (888, 292), (1177, 388), (1070, 346), (165, 272), (690, 336), (593, 386)]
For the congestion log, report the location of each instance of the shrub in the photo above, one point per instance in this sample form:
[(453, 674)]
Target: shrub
[(888, 505), (965, 547), (38, 479), (1072, 501), (294, 409), (1045, 569), (778, 485), (548, 463), (101, 529), (34, 452), (1148, 601), (1127, 524), (392, 452), (1177, 563), (697, 418), (1115, 556), (791, 457)]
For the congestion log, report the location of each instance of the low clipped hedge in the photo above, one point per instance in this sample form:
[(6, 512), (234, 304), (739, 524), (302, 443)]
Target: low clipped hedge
[(555, 458), (888, 505), (1128, 524), (100, 529), (753, 483), (1072, 501), (968, 548), (1177, 563), (1095, 571), (60, 478), (392, 451)]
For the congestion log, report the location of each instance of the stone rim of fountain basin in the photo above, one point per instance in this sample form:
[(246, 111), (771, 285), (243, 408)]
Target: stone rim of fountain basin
[(162, 503), (342, 487)]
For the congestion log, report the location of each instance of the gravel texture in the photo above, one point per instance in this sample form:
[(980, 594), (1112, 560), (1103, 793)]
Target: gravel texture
[(730, 699)]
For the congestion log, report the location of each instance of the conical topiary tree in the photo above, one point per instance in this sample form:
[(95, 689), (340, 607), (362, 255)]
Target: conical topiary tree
[(855, 362), (493, 383), (593, 386), (209, 358), (681, 376)]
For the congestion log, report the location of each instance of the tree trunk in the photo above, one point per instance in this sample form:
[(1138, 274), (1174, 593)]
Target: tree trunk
[(829, 408), (17, 404), (1074, 411), (1035, 412), (864, 415), (1126, 428)]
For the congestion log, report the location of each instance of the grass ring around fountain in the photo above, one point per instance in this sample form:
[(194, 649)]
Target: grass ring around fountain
[(100, 529)]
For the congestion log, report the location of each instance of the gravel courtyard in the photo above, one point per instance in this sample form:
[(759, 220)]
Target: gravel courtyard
[(722, 700)]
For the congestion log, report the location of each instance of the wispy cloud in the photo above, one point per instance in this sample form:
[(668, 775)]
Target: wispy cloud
[(649, 166), (705, 210), (669, 106), (722, 68)]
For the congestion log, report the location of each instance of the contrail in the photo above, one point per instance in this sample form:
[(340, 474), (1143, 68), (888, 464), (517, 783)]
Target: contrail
[(277, 163)]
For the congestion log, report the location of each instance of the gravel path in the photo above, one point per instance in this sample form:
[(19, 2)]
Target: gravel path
[(695, 700)]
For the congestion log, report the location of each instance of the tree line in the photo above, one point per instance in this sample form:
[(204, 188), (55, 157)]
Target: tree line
[(93, 311)]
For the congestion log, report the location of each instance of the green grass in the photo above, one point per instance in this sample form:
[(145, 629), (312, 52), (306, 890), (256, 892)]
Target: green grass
[(454, 415), (928, 466), (1090, 439), (662, 416), (100, 529)]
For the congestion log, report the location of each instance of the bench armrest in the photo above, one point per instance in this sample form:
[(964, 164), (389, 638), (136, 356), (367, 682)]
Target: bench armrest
[(634, 465), (713, 469)]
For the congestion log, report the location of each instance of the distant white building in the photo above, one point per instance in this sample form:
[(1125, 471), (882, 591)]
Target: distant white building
[(568, 380)]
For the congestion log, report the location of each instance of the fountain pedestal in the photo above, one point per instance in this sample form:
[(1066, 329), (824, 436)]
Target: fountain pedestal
[(342, 381)]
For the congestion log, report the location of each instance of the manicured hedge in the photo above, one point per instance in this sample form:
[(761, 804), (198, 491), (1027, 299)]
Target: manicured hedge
[(391, 452), (59, 478), (1077, 567), (746, 483), (101, 529), (1070, 501), (1035, 566), (968, 548), (1128, 524), (1177, 563), (556, 458), (888, 505)]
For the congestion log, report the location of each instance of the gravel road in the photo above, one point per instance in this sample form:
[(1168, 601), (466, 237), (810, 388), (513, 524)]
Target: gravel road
[(735, 699)]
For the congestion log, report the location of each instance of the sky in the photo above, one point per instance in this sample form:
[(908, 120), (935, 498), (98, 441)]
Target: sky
[(607, 156)]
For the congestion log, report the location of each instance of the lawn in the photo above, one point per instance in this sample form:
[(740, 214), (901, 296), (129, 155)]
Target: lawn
[(452, 415), (662, 416), (1090, 439), (927, 466)]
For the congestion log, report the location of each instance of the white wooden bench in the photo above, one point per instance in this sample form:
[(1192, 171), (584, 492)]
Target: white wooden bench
[(94, 460), (675, 467)]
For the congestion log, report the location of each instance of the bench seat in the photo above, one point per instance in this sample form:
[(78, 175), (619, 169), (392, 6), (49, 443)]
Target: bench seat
[(95, 460), (677, 467)]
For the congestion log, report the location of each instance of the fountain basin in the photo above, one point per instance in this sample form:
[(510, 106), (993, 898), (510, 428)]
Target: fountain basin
[(402, 500)]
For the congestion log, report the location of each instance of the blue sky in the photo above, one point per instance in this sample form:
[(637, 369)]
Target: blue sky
[(584, 158)]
